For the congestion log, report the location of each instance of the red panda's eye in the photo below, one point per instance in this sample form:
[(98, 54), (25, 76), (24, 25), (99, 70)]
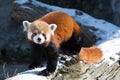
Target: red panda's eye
[(35, 33), (44, 35)]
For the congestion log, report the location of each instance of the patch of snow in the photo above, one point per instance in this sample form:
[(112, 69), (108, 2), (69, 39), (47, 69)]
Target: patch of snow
[(104, 29), (26, 7), (68, 58), (34, 71), (30, 75), (75, 56), (71, 12), (21, 1), (115, 35), (60, 64), (110, 49)]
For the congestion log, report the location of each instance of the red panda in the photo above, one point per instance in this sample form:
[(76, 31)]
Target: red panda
[(46, 35)]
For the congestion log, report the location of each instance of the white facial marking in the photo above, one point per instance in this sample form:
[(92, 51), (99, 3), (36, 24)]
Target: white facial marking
[(41, 37), (48, 37), (29, 35)]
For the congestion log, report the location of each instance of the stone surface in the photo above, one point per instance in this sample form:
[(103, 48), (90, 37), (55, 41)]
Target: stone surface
[(11, 34), (26, 11)]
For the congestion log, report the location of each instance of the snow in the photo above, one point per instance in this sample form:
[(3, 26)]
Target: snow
[(105, 29), (71, 12), (30, 75), (115, 35), (110, 49), (21, 1), (109, 34), (26, 7)]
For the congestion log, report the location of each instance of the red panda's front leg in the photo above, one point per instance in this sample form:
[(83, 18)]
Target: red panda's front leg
[(52, 58), (38, 55)]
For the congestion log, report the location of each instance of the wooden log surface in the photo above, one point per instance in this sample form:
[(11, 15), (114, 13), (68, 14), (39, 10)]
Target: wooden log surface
[(91, 72), (78, 71)]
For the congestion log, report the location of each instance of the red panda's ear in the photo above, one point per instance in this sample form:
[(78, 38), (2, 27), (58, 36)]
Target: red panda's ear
[(52, 28), (26, 25)]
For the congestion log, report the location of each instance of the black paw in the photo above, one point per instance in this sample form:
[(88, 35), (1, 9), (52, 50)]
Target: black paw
[(45, 73), (33, 66)]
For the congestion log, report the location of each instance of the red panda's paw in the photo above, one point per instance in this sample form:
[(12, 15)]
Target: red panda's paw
[(33, 66), (45, 73)]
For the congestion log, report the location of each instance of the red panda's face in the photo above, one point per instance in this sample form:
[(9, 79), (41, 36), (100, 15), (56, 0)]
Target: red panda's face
[(39, 31)]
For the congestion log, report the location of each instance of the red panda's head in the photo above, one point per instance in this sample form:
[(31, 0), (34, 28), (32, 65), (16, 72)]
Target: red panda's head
[(39, 31)]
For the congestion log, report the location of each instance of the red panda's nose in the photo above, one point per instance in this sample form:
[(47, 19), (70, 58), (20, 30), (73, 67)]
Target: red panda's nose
[(38, 39)]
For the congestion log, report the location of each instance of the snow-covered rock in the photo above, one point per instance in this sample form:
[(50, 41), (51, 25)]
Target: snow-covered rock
[(30, 75), (111, 50)]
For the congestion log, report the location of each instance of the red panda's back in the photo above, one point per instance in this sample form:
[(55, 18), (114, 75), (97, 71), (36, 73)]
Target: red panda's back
[(65, 24)]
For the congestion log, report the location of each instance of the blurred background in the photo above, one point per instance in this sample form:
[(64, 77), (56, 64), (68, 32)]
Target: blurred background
[(104, 9)]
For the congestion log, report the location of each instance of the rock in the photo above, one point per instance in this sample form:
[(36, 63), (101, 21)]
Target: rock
[(26, 11), (12, 40), (10, 34)]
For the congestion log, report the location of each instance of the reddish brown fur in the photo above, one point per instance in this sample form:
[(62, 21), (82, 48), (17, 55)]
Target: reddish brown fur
[(66, 26), (91, 55), (39, 25), (67, 30)]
